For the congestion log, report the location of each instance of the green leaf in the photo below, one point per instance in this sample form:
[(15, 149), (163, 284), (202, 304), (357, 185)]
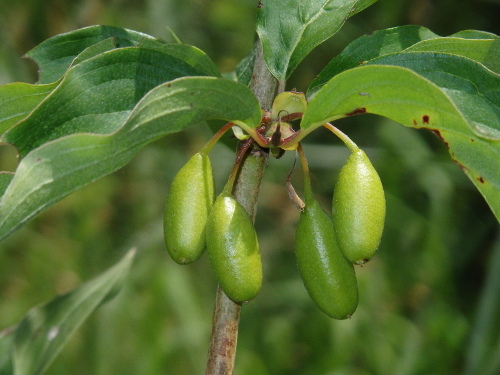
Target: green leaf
[(484, 51), (244, 69), (54, 170), (44, 330), (412, 100), (362, 5), (368, 47), (474, 90), (96, 96), (189, 54), (290, 29), (474, 34), (55, 55), (18, 99), (476, 45)]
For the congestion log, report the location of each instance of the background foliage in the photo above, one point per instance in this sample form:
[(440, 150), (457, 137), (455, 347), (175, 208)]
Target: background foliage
[(429, 299)]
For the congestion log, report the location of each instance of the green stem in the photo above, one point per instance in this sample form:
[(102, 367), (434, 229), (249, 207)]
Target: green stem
[(208, 146), (228, 188), (222, 351), (308, 193), (348, 141)]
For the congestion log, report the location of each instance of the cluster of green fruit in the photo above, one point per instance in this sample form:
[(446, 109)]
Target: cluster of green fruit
[(326, 249)]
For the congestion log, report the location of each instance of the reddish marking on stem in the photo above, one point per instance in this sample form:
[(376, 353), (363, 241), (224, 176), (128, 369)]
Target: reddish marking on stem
[(425, 119), (357, 111)]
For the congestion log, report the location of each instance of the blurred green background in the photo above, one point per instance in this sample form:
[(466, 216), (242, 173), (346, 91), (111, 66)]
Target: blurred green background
[(429, 301)]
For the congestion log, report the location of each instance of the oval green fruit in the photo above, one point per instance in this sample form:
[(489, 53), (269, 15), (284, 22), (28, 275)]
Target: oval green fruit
[(358, 208), (186, 210), (234, 249), (329, 278)]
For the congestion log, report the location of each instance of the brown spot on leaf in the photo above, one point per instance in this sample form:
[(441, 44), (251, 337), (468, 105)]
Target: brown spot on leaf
[(357, 111), (438, 133), (480, 179), (169, 85), (459, 164), (425, 119), (414, 122)]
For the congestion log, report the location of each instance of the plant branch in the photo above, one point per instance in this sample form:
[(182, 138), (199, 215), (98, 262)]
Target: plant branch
[(226, 316)]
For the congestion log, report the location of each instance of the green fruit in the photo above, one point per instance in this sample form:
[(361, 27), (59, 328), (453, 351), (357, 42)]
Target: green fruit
[(328, 277), (358, 208), (234, 249), (186, 211)]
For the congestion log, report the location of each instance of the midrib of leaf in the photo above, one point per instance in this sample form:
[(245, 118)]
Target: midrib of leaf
[(303, 29)]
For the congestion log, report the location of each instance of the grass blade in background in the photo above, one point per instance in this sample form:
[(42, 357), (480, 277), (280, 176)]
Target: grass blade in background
[(482, 354), (45, 329)]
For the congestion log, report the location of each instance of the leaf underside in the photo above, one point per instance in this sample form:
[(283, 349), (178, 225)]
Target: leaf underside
[(449, 85)]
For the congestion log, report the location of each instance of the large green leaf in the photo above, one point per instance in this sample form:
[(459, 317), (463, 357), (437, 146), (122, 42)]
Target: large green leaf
[(42, 333), (55, 55), (57, 168), (17, 100), (415, 101), (97, 95), (290, 29), (478, 46)]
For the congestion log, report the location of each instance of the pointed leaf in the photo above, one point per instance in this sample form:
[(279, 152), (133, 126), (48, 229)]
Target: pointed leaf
[(96, 95), (412, 100), (55, 55), (362, 5), (290, 29), (43, 332), (52, 171)]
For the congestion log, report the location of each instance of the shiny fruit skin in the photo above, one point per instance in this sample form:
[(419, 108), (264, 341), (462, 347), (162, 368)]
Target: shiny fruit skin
[(358, 208), (329, 278), (187, 207), (234, 249)]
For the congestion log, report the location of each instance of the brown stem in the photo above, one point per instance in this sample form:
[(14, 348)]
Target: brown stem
[(226, 316)]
